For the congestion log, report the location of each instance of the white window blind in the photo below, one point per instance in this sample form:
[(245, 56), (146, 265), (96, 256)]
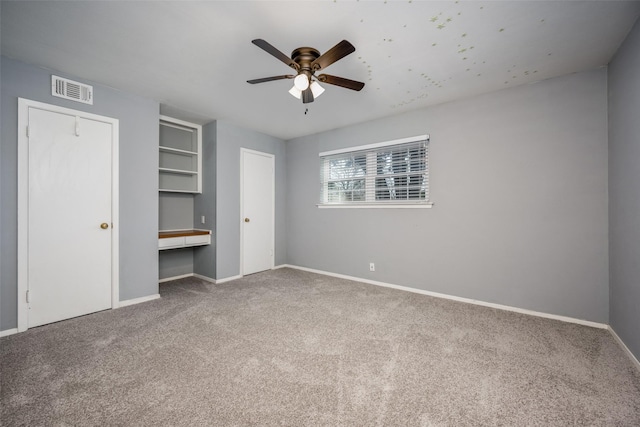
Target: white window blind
[(384, 174)]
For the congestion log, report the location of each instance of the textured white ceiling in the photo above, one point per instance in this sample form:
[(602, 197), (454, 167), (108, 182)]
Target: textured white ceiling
[(195, 57)]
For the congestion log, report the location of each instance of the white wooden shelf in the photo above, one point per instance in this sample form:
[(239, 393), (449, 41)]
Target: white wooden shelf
[(177, 151), (169, 190), (180, 148), (179, 171)]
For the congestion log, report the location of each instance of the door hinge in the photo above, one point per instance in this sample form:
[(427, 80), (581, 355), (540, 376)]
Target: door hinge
[(28, 297), (27, 131)]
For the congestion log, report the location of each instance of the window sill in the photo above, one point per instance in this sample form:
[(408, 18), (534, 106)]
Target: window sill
[(375, 205)]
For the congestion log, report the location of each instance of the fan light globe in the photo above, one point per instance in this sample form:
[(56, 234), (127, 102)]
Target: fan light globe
[(295, 92), (301, 82), (316, 89)]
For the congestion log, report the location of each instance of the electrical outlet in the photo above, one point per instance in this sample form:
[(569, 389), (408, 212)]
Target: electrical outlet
[(202, 219), (372, 267)]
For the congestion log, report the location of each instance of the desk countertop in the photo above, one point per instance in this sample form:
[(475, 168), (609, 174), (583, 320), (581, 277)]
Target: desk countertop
[(182, 233)]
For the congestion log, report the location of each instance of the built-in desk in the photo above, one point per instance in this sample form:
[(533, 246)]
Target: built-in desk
[(173, 239)]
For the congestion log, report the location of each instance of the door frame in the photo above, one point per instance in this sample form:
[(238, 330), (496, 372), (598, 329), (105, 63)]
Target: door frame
[(244, 151), (23, 202)]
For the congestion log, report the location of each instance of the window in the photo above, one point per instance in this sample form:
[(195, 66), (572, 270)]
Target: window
[(387, 174)]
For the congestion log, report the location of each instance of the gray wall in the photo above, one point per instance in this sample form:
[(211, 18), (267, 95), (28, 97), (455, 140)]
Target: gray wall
[(2, 207), (519, 178), (230, 139), (138, 179), (175, 262), (204, 257), (624, 196), (175, 213)]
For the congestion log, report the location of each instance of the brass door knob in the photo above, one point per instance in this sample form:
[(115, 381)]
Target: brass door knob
[(246, 220), (104, 225)]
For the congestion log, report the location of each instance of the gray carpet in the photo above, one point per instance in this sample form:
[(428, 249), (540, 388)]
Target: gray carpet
[(287, 347)]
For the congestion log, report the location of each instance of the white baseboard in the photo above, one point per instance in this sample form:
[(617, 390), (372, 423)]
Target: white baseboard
[(281, 266), (205, 278), (455, 298), (199, 276), (633, 358), (138, 300), (8, 332), (228, 279), (182, 276)]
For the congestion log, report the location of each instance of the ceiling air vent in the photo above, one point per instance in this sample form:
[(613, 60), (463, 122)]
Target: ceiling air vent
[(68, 89)]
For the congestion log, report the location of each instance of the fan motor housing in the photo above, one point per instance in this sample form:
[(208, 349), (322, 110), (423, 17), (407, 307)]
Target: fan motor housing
[(304, 56)]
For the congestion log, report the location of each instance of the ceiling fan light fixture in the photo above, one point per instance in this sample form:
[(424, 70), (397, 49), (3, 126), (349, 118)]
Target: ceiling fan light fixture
[(316, 89), (296, 92), (301, 82), (306, 61)]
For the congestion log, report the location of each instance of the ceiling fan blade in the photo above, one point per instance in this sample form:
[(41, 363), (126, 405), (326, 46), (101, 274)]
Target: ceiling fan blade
[(341, 81), (268, 79), (337, 52), (264, 45), (307, 96)]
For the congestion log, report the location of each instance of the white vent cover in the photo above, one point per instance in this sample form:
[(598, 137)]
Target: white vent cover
[(68, 89)]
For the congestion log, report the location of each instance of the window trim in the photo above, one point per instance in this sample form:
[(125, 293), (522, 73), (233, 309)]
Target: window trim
[(376, 145), (360, 205), (401, 204)]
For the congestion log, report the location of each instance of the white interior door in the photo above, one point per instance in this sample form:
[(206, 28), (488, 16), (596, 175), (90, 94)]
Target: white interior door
[(69, 238), (258, 205)]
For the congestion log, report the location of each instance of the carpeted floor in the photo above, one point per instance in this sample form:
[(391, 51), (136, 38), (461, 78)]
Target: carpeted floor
[(287, 347)]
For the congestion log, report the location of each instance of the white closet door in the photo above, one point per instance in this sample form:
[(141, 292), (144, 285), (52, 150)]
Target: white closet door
[(69, 216), (258, 201)]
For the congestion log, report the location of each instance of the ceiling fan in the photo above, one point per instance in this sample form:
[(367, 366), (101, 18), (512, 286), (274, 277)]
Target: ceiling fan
[(306, 61)]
